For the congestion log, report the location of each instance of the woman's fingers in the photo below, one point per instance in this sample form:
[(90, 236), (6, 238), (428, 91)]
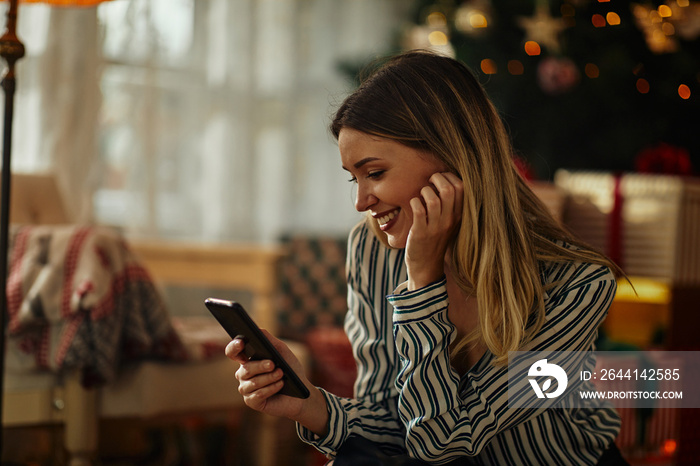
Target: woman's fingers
[(254, 368), (440, 204), (433, 203), (261, 395), (234, 351), (260, 382), (437, 213), (458, 191), (451, 192)]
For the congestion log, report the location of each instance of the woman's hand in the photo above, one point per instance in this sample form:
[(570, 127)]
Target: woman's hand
[(260, 382), (437, 215)]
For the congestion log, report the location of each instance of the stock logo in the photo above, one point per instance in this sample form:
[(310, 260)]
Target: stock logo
[(541, 369)]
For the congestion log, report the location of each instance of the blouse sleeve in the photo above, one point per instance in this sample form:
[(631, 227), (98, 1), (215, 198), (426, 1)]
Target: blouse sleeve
[(371, 271), (446, 417)]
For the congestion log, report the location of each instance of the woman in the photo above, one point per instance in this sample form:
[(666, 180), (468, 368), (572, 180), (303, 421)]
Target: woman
[(457, 264)]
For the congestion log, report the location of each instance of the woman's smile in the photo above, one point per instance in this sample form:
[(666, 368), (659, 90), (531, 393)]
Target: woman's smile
[(386, 221)]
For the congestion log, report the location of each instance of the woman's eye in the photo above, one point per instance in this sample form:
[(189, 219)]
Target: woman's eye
[(371, 175)]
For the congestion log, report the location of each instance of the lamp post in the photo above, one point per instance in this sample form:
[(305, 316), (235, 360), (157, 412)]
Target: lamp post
[(11, 49)]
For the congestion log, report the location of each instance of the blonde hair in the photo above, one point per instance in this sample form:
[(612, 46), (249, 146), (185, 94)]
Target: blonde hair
[(434, 103)]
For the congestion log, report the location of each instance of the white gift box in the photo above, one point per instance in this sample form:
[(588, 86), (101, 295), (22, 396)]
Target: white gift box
[(659, 217), (553, 197)]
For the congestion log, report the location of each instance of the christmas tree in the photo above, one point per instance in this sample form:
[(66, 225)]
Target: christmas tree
[(581, 84)]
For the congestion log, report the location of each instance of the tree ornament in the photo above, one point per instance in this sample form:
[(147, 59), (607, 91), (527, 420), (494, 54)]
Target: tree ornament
[(557, 75), (542, 27)]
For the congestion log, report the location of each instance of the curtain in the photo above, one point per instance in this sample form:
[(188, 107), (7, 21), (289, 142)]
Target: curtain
[(58, 101)]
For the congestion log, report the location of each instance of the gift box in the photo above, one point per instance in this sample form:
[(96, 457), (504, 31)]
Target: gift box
[(649, 224), (553, 197)]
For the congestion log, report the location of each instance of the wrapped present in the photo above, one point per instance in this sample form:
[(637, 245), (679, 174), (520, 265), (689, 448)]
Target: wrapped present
[(648, 224), (641, 313), (552, 196)]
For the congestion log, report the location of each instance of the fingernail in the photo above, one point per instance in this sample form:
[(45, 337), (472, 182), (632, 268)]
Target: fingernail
[(268, 365)]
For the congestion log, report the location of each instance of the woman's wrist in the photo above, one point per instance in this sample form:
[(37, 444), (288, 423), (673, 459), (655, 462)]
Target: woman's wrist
[(314, 413), (424, 276)]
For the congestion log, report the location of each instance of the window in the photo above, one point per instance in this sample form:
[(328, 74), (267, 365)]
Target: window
[(204, 119)]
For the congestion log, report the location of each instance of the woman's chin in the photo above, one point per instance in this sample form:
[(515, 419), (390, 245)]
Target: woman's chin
[(396, 242)]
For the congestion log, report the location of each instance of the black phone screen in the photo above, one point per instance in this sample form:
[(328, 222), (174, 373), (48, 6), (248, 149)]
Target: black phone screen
[(238, 324)]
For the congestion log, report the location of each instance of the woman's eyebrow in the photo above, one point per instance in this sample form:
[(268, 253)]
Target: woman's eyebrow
[(360, 163), (364, 161)]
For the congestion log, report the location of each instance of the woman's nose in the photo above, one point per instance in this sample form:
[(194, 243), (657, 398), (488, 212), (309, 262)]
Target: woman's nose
[(364, 199)]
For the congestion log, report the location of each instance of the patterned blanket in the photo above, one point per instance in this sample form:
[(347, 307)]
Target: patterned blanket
[(78, 299)]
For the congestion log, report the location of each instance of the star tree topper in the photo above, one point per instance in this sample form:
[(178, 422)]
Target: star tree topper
[(542, 27)]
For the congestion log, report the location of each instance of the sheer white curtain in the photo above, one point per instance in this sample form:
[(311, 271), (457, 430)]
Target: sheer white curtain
[(204, 119), (58, 100)]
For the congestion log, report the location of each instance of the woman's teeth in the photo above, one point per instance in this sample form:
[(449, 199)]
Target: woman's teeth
[(388, 217)]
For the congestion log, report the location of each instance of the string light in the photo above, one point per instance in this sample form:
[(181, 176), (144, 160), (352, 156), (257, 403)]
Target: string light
[(515, 67), (532, 48), (655, 17), (668, 29), (478, 20), (669, 447), (437, 38), (613, 18), (598, 20), (472, 18), (643, 86), (665, 11), (591, 70), (684, 92), (488, 66), (656, 25), (436, 19)]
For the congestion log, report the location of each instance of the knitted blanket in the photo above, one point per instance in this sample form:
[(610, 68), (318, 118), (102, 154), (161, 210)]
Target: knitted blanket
[(78, 299)]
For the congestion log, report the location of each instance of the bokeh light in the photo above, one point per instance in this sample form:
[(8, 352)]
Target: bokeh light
[(598, 20), (488, 66), (532, 48), (613, 18), (591, 70), (665, 11), (477, 20), (437, 38), (643, 86), (515, 67), (669, 447)]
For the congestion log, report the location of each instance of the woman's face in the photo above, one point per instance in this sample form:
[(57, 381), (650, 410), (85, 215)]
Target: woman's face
[(388, 175)]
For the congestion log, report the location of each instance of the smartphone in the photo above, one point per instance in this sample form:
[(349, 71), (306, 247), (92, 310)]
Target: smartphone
[(238, 324)]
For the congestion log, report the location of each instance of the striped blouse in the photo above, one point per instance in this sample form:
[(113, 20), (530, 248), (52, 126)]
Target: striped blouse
[(408, 397)]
